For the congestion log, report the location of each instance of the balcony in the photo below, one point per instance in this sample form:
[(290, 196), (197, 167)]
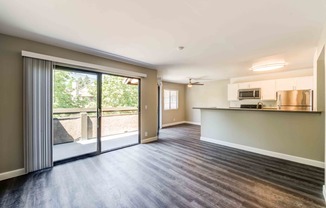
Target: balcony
[(75, 130)]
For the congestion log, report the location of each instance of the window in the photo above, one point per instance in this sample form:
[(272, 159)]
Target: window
[(170, 99)]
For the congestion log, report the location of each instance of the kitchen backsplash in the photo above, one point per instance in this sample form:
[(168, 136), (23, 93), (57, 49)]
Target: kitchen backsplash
[(266, 104)]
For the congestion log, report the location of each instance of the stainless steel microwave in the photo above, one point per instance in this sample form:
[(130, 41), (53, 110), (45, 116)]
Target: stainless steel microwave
[(249, 94)]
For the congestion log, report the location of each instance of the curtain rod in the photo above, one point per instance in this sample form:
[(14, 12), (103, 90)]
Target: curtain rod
[(95, 67)]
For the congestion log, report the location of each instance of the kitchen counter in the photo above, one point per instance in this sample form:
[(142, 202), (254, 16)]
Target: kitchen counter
[(254, 109), (293, 135)]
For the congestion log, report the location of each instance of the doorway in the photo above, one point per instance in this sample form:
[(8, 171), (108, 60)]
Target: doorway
[(93, 112)]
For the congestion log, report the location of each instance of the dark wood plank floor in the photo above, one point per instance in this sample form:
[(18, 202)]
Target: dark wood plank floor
[(178, 171)]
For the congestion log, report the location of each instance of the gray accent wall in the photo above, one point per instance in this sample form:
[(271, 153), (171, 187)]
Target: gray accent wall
[(11, 94), (291, 133)]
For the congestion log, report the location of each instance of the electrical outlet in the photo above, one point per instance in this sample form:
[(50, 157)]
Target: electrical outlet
[(146, 133)]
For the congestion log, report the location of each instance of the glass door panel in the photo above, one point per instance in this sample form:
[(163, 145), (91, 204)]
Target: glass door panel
[(74, 113), (120, 119)]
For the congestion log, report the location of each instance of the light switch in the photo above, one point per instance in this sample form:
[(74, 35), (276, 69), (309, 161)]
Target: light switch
[(145, 107)]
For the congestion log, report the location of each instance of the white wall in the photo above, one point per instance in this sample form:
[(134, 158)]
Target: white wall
[(212, 94)]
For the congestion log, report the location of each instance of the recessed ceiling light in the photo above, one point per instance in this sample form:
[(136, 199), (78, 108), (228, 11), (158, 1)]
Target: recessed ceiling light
[(268, 67), (180, 48)]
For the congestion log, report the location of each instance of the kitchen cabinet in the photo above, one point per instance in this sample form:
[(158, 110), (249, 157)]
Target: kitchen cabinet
[(250, 85), (270, 87), (268, 90), (297, 83), (255, 84), (233, 92), (285, 84), (244, 85), (267, 87), (304, 83)]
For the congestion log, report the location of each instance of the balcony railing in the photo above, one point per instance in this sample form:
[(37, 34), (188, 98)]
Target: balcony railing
[(74, 124)]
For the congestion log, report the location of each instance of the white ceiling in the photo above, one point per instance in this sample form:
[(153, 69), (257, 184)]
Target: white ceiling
[(222, 38)]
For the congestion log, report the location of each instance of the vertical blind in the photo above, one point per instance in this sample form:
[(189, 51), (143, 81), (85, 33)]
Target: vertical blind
[(37, 114)]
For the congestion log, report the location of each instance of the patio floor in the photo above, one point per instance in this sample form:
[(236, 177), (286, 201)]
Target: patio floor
[(68, 150)]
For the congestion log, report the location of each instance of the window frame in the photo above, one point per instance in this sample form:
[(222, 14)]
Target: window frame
[(170, 96)]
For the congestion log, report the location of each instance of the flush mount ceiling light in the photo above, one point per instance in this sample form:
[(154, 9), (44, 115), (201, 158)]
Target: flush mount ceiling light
[(268, 67)]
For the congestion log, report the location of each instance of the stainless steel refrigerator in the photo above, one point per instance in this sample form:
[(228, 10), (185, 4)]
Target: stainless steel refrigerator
[(296, 100)]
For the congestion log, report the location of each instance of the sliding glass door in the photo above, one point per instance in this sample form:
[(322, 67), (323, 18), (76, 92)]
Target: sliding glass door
[(93, 112), (120, 119), (75, 104)]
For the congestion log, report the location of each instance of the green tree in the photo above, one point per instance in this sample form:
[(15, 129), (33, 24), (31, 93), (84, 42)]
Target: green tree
[(73, 91), (115, 93), (76, 90)]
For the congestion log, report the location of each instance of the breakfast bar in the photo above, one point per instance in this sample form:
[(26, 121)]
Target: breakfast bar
[(293, 135)]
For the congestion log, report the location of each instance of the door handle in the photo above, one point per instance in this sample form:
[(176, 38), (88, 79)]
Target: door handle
[(99, 113)]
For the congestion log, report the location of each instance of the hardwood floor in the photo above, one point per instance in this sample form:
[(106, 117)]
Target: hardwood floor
[(178, 171)]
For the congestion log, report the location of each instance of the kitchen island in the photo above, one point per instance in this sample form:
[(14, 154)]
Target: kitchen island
[(293, 135)]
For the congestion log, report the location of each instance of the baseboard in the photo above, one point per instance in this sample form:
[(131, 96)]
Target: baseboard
[(173, 124), (193, 123), (148, 140), (12, 174), (180, 122), (301, 160)]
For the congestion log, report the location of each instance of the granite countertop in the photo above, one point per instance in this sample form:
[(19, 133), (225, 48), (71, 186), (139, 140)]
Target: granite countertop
[(254, 109)]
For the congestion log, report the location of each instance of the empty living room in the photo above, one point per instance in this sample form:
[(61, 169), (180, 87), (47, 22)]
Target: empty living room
[(156, 104)]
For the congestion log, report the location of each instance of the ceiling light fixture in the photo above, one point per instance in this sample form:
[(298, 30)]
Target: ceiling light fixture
[(189, 85), (268, 67)]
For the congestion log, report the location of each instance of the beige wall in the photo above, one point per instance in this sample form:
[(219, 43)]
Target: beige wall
[(178, 115), (11, 94), (212, 94), (319, 64)]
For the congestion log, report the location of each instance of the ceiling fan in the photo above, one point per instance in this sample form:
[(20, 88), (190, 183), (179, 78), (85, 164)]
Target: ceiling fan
[(190, 83)]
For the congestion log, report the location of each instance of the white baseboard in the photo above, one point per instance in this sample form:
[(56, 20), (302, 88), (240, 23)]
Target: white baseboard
[(193, 123), (267, 152), (180, 122), (12, 174), (173, 124), (148, 140)]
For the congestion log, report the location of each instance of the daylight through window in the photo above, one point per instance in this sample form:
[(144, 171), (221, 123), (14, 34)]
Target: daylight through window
[(170, 99)]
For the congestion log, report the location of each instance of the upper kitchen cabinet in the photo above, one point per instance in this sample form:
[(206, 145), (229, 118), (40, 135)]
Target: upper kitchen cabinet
[(250, 85), (233, 92), (268, 90), (297, 83), (304, 83)]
